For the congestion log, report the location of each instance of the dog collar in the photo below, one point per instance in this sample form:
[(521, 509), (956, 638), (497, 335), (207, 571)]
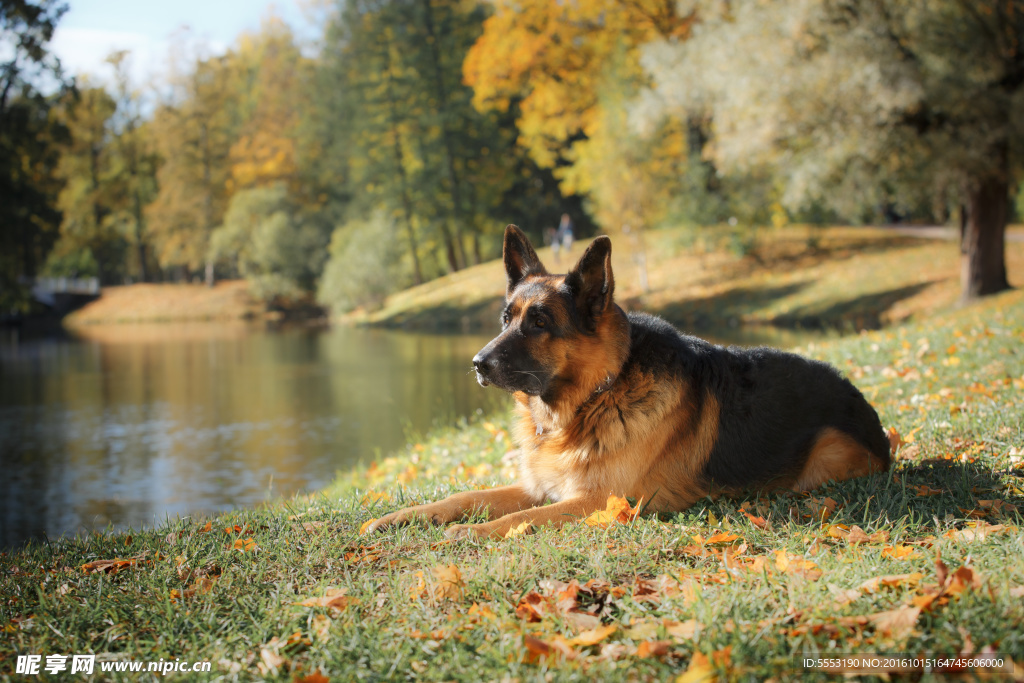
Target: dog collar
[(604, 386)]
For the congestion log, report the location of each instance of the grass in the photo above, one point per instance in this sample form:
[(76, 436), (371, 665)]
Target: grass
[(162, 303), (713, 590), (787, 278)]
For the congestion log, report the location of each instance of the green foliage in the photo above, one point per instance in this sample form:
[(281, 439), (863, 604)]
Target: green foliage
[(75, 263), (365, 265), (29, 140), (265, 241)]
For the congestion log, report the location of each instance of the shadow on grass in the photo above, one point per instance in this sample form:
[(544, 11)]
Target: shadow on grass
[(860, 313), (481, 317), (931, 495), (715, 311)]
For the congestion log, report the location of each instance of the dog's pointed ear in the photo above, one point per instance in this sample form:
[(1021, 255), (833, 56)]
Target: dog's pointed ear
[(591, 280), (520, 258)]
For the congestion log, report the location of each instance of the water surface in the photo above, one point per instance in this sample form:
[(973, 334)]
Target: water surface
[(128, 424)]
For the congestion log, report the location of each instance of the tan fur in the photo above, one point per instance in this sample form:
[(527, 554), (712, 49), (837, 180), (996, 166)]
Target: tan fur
[(604, 430), (835, 456)]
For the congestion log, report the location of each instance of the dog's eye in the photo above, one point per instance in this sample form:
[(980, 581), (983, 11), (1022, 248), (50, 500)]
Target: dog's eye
[(539, 322), (504, 318)]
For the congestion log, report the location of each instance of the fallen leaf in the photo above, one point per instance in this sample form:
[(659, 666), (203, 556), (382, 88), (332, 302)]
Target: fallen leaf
[(643, 630), (593, 636), (272, 660), (699, 671), (721, 538), (334, 599), (321, 627), (895, 440), (617, 510), (759, 522), (653, 648), (244, 545), (681, 630), (111, 566), (519, 530), (364, 525), (538, 649), (315, 677), (899, 552), (890, 580), (978, 531), (449, 582), (896, 623)]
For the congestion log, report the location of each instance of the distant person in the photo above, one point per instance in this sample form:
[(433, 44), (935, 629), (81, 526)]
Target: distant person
[(552, 238), (564, 234)]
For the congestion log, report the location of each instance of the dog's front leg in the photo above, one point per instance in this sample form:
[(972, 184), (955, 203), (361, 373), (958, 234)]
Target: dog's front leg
[(556, 514), (495, 502)]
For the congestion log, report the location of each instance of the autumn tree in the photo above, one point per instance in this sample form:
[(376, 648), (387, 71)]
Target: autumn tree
[(134, 162), (89, 229), (194, 129), (859, 103)]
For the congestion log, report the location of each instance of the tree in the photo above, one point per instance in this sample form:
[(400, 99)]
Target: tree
[(90, 193), (860, 103), (263, 240), (415, 142), (194, 130), (28, 143), (135, 162)]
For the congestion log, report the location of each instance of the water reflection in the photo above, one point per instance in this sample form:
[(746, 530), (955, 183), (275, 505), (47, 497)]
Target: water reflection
[(127, 424)]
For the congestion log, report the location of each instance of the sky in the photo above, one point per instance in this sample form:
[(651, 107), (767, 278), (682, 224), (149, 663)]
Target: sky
[(91, 29)]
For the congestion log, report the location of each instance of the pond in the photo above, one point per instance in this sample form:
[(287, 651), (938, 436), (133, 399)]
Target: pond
[(126, 425)]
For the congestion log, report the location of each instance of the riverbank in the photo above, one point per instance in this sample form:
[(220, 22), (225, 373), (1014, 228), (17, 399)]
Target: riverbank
[(922, 560), (227, 300), (789, 278)]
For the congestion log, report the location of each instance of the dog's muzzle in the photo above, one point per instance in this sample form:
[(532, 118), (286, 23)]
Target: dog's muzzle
[(484, 364)]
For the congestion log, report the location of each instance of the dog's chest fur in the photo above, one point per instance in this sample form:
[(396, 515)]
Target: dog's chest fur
[(607, 444)]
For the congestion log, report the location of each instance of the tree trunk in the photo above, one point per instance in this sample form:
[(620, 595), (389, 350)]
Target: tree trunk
[(396, 148), (982, 249), (446, 134)]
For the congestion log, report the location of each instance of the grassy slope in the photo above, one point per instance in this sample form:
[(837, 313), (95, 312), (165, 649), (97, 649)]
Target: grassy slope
[(228, 300), (854, 278), (956, 382)]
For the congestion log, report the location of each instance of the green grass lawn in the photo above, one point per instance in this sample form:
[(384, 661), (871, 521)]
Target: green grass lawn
[(739, 589)]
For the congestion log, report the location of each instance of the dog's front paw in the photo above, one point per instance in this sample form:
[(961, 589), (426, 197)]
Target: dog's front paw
[(394, 519)]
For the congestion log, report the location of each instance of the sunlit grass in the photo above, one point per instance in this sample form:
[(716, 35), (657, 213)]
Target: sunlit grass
[(415, 605)]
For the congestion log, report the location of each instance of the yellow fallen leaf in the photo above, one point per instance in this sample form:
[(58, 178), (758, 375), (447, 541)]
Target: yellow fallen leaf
[(519, 530), (699, 671), (364, 525), (592, 636), (449, 582)]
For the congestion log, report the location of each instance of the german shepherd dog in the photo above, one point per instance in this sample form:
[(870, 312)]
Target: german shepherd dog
[(611, 403)]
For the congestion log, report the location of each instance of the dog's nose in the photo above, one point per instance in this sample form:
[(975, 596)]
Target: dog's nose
[(483, 363)]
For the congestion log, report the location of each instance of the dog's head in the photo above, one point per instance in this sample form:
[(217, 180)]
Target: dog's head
[(558, 331)]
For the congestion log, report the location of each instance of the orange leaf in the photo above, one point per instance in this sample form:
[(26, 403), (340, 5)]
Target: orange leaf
[(617, 509), (108, 566), (334, 598), (245, 545), (364, 525), (721, 538), (653, 648), (759, 522), (899, 552)]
